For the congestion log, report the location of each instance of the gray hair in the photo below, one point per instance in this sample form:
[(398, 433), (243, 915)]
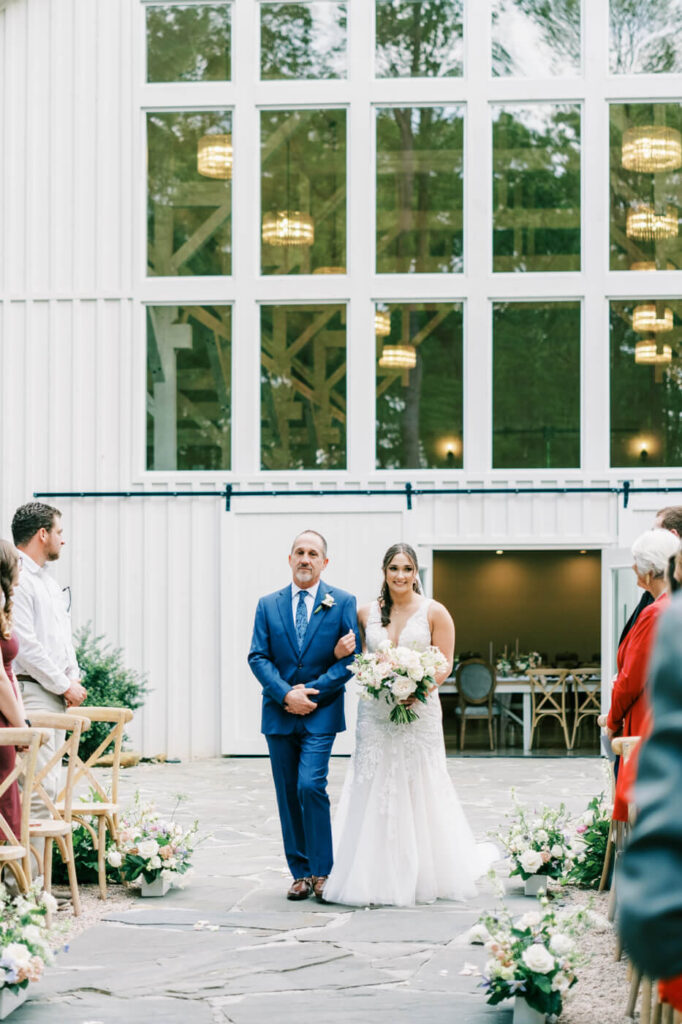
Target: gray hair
[(323, 542), (652, 551)]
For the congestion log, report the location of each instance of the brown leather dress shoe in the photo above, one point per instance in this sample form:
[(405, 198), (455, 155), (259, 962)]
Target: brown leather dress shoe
[(300, 889), (318, 887)]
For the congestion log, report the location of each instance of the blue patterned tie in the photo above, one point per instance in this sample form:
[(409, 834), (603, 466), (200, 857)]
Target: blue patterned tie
[(301, 619)]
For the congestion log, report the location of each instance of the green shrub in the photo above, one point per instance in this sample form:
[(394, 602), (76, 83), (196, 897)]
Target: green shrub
[(108, 682)]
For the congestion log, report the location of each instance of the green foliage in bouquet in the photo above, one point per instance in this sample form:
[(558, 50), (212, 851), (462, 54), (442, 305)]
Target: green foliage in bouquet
[(108, 682), (589, 844), (537, 845)]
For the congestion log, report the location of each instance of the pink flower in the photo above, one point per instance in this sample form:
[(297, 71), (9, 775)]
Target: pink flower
[(545, 856), (581, 828)]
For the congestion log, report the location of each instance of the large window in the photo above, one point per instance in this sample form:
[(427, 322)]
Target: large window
[(646, 37), (419, 38), (646, 383), (419, 385), (536, 40), (536, 385), (305, 40), (188, 42)]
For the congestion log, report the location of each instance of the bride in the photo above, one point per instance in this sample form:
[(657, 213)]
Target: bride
[(400, 834)]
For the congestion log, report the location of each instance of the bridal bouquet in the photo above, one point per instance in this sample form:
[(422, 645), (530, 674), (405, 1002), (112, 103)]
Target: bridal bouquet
[(149, 847), (394, 674)]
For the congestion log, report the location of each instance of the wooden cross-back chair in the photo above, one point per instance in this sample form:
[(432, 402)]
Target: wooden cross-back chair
[(15, 850), (587, 694), (58, 827), (548, 698), (104, 807)]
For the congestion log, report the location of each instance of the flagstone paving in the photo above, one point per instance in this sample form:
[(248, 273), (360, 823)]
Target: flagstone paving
[(230, 949)]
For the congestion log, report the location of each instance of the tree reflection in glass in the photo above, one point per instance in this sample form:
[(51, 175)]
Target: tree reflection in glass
[(419, 407), (303, 387), (188, 213), (536, 38), (645, 186), (536, 385), (645, 37), (305, 40), (188, 42), (303, 185), (536, 187), (189, 384), (419, 38), (646, 383), (419, 190)]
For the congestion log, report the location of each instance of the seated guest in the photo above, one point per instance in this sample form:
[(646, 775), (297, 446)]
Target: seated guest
[(629, 703), (11, 706), (650, 882)]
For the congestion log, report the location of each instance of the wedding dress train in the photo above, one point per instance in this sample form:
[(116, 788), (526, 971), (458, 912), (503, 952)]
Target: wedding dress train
[(400, 834)]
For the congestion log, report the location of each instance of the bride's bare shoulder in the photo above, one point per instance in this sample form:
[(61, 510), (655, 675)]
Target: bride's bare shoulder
[(363, 613)]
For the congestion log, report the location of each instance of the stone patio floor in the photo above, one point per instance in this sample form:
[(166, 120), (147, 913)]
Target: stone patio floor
[(271, 961)]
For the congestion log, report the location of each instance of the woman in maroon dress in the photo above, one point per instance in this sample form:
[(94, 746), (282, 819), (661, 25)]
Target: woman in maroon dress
[(11, 704)]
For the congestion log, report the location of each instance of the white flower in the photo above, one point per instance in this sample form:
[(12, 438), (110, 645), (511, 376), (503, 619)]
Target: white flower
[(48, 901), (154, 862), (587, 818), (505, 971), (541, 836), (560, 982), (538, 959), (148, 848), (597, 921), (561, 944), (33, 934), (18, 954), (114, 859), (529, 920), (478, 935), (557, 851), (402, 688), (531, 861)]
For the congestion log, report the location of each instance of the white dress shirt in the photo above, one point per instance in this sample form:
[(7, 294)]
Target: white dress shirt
[(43, 628), (310, 598)]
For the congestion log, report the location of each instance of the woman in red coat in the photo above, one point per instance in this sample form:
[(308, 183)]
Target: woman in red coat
[(629, 712)]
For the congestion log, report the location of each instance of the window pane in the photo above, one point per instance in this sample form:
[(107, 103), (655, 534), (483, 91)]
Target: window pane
[(646, 383), (303, 387), (188, 387), (189, 200), (646, 36), (305, 40), (188, 43), (536, 385), (303, 191), (536, 40), (419, 189), (646, 184), (419, 385), (536, 187), (419, 38)]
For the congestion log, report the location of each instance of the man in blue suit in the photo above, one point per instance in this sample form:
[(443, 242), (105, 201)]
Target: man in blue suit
[(303, 640)]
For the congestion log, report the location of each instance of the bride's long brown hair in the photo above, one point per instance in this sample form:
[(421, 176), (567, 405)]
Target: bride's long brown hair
[(9, 560), (385, 599)]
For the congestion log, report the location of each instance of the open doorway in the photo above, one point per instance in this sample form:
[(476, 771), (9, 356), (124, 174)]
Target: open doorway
[(509, 602)]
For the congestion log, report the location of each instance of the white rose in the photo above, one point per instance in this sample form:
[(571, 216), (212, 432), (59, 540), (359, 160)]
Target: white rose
[(402, 688), (557, 851), (560, 983), (18, 954), (561, 944), (154, 862), (529, 920), (506, 972), (587, 818), (538, 959), (541, 836), (148, 848), (416, 672), (114, 859), (48, 901), (478, 935), (33, 934), (531, 861)]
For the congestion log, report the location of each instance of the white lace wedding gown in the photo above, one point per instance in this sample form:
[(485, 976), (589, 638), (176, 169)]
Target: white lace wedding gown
[(400, 834)]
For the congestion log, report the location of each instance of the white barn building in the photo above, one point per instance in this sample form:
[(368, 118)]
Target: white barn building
[(337, 246)]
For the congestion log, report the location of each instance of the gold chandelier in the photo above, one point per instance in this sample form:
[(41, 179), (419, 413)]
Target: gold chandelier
[(398, 357), (214, 156), (646, 351), (652, 148), (288, 229), (644, 319), (644, 223), (382, 323)]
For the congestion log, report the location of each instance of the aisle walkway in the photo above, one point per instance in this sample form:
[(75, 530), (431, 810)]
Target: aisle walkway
[(263, 960)]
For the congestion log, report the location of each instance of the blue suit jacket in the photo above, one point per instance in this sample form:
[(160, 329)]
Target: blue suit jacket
[(278, 664)]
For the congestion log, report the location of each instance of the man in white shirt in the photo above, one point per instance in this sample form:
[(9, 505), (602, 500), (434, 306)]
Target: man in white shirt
[(45, 667)]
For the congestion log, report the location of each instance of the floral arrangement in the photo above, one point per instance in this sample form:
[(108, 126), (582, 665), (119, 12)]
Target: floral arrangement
[(534, 956), (517, 664), (589, 844), (149, 847), (395, 674), (537, 846), (24, 947)]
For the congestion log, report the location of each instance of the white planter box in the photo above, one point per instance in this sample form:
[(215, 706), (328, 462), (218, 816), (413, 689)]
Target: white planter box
[(10, 1000), (535, 883), (159, 887), (525, 1014)]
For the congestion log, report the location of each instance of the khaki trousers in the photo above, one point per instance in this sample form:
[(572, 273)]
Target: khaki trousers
[(37, 698)]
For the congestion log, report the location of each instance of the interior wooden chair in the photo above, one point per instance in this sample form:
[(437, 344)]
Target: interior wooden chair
[(548, 698), (475, 681), (15, 850), (587, 697), (104, 809), (58, 827)]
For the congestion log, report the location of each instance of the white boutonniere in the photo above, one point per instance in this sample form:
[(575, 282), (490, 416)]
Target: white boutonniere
[(326, 602)]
